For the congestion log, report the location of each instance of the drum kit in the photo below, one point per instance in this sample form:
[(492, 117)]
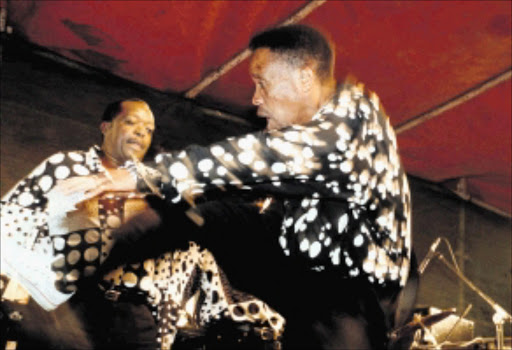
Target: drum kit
[(432, 328)]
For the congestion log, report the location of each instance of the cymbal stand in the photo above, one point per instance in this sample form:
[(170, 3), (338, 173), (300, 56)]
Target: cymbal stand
[(461, 317), (500, 315)]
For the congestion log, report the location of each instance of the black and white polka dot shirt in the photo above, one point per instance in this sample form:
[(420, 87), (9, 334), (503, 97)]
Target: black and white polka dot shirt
[(28, 247), (49, 250), (347, 201), (49, 264)]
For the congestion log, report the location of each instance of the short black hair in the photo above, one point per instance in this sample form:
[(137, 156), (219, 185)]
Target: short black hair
[(114, 108), (298, 44)]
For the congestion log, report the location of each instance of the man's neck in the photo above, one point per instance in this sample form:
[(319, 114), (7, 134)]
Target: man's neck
[(109, 161), (327, 92), (321, 94)]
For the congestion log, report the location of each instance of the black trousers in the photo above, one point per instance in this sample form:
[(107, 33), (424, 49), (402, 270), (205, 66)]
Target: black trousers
[(322, 310), (86, 321), (123, 324), (325, 312)]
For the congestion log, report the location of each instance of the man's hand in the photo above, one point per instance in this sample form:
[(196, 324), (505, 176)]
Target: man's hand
[(121, 180), (86, 187)]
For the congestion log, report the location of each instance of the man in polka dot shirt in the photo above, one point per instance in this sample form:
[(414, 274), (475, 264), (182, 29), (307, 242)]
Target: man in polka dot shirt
[(49, 240), (53, 238), (330, 153)]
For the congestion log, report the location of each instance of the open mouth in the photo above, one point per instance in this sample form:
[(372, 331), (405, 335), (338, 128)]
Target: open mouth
[(262, 115), (135, 144)]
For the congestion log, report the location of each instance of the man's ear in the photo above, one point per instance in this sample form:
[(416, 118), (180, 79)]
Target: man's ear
[(306, 78), (105, 126)]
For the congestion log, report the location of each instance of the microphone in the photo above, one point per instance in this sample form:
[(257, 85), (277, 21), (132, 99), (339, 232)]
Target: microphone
[(429, 255)]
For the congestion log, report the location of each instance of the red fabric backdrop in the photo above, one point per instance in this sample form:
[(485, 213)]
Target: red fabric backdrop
[(415, 55)]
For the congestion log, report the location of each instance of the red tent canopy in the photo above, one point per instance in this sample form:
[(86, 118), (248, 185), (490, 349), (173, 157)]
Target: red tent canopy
[(441, 68)]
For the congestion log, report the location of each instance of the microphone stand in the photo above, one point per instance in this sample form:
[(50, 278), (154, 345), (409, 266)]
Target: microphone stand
[(500, 315)]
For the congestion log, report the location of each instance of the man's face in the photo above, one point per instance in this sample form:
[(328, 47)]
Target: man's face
[(278, 93), (130, 133)]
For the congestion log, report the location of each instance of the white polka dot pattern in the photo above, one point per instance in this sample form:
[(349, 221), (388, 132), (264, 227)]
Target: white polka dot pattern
[(182, 276), (79, 253), (46, 182), (346, 157), (79, 169), (24, 218)]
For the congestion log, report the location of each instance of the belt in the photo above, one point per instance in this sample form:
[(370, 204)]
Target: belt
[(122, 294)]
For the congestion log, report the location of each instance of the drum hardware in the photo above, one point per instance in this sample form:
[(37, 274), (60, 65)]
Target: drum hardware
[(500, 315), (456, 328), (16, 316), (461, 317), (474, 344), (424, 339), (420, 322)]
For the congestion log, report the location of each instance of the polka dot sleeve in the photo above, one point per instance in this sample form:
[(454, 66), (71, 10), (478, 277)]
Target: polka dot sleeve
[(28, 198), (340, 175), (301, 156)]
